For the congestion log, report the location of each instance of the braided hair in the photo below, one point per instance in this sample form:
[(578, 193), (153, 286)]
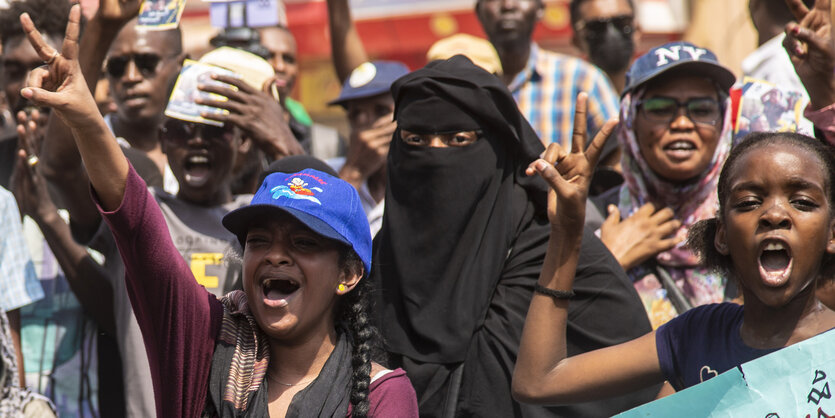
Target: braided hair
[(354, 313)]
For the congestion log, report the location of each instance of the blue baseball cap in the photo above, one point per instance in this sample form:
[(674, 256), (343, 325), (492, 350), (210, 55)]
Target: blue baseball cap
[(326, 204), (370, 79), (678, 56)]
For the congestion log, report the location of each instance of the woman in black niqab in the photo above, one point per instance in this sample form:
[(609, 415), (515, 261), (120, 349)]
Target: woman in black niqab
[(462, 243)]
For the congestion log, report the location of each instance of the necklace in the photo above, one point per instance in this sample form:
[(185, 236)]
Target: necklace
[(289, 384)]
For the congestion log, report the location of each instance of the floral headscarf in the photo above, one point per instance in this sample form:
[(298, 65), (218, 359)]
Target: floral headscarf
[(690, 203)]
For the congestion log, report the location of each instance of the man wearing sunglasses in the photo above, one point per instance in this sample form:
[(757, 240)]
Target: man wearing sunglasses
[(605, 31)]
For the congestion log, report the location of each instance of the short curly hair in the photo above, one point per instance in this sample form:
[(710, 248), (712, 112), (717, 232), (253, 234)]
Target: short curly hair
[(701, 236), (49, 16)]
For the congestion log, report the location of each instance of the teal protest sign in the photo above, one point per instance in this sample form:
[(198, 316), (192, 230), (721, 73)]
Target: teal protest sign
[(796, 381)]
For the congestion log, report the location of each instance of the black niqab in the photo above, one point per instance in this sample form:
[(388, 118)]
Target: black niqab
[(449, 224)]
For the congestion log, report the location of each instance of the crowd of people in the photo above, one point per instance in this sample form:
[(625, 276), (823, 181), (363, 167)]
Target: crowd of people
[(506, 231)]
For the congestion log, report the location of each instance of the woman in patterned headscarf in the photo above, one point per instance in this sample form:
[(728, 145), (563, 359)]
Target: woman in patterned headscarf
[(675, 135)]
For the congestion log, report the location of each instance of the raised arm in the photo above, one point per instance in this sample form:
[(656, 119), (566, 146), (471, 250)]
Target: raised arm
[(61, 86), (60, 160), (543, 373), (87, 279), (347, 51)]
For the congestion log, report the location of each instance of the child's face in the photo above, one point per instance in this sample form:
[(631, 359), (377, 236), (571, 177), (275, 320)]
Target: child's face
[(777, 225)]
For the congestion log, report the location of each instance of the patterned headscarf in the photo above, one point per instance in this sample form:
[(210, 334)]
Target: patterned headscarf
[(690, 203)]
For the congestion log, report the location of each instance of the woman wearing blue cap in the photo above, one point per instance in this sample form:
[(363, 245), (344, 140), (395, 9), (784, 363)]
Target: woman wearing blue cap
[(675, 134), (297, 341)]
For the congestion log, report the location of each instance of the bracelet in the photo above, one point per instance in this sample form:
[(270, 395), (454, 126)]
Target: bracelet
[(556, 294)]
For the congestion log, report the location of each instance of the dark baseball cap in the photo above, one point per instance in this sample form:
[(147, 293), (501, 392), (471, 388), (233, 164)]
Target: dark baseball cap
[(679, 56), (370, 79)]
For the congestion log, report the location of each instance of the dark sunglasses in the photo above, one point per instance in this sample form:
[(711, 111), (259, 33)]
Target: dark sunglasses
[(181, 132), (597, 27), (146, 63), (701, 110)]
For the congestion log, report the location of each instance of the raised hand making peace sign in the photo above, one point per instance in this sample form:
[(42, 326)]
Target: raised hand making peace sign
[(809, 44), (60, 85), (568, 170)]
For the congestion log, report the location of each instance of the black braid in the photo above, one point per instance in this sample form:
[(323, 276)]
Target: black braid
[(355, 314)]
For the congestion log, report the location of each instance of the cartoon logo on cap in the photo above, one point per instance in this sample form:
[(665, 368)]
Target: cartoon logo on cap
[(296, 189), (362, 75)]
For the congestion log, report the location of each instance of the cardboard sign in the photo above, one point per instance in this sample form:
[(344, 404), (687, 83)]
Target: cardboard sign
[(797, 381)]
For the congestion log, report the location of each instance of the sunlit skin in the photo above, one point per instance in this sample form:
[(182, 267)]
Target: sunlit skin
[(282, 46), (457, 139), (777, 195), (279, 246), (18, 59), (655, 139)]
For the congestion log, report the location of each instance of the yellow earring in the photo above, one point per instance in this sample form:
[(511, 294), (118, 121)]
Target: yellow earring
[(341, 287)]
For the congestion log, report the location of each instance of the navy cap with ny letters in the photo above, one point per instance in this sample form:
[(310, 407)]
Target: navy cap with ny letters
[(678, 56)]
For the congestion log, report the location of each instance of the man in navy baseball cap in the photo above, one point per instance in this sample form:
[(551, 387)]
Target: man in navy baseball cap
[(366, 96), (684, 57)]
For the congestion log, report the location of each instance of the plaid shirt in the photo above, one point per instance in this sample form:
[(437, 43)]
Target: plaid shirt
[(547, 88), (19, 285)]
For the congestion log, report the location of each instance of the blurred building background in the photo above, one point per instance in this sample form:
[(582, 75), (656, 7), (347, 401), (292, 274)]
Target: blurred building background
[(404, 29)]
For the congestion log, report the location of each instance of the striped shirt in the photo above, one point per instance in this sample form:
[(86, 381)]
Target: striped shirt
[(547, 88), (19, 285)]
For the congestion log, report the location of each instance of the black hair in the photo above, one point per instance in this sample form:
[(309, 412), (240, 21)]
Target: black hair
[(702, 234), (49, 16), (355, 314), (574, 10)]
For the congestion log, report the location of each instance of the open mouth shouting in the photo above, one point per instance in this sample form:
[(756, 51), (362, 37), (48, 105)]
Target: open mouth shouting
[(775, 262), (278, 292), (197, 169)]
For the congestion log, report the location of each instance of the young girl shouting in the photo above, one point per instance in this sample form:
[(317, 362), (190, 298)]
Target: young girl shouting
[(774, 233), (297, 342)]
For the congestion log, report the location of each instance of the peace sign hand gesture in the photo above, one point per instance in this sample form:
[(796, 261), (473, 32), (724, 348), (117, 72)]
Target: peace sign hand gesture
[(809, 45), (59, 84), (568, 170)]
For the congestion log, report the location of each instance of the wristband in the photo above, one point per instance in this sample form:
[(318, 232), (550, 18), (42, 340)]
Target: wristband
[(556, 294)]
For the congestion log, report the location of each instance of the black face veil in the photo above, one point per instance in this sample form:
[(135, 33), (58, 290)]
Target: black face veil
[(452, 215)]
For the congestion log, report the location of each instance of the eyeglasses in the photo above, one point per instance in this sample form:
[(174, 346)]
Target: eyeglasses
[(181, 132), (491, 2), (702, 110), (146, 63), (597, 27)]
